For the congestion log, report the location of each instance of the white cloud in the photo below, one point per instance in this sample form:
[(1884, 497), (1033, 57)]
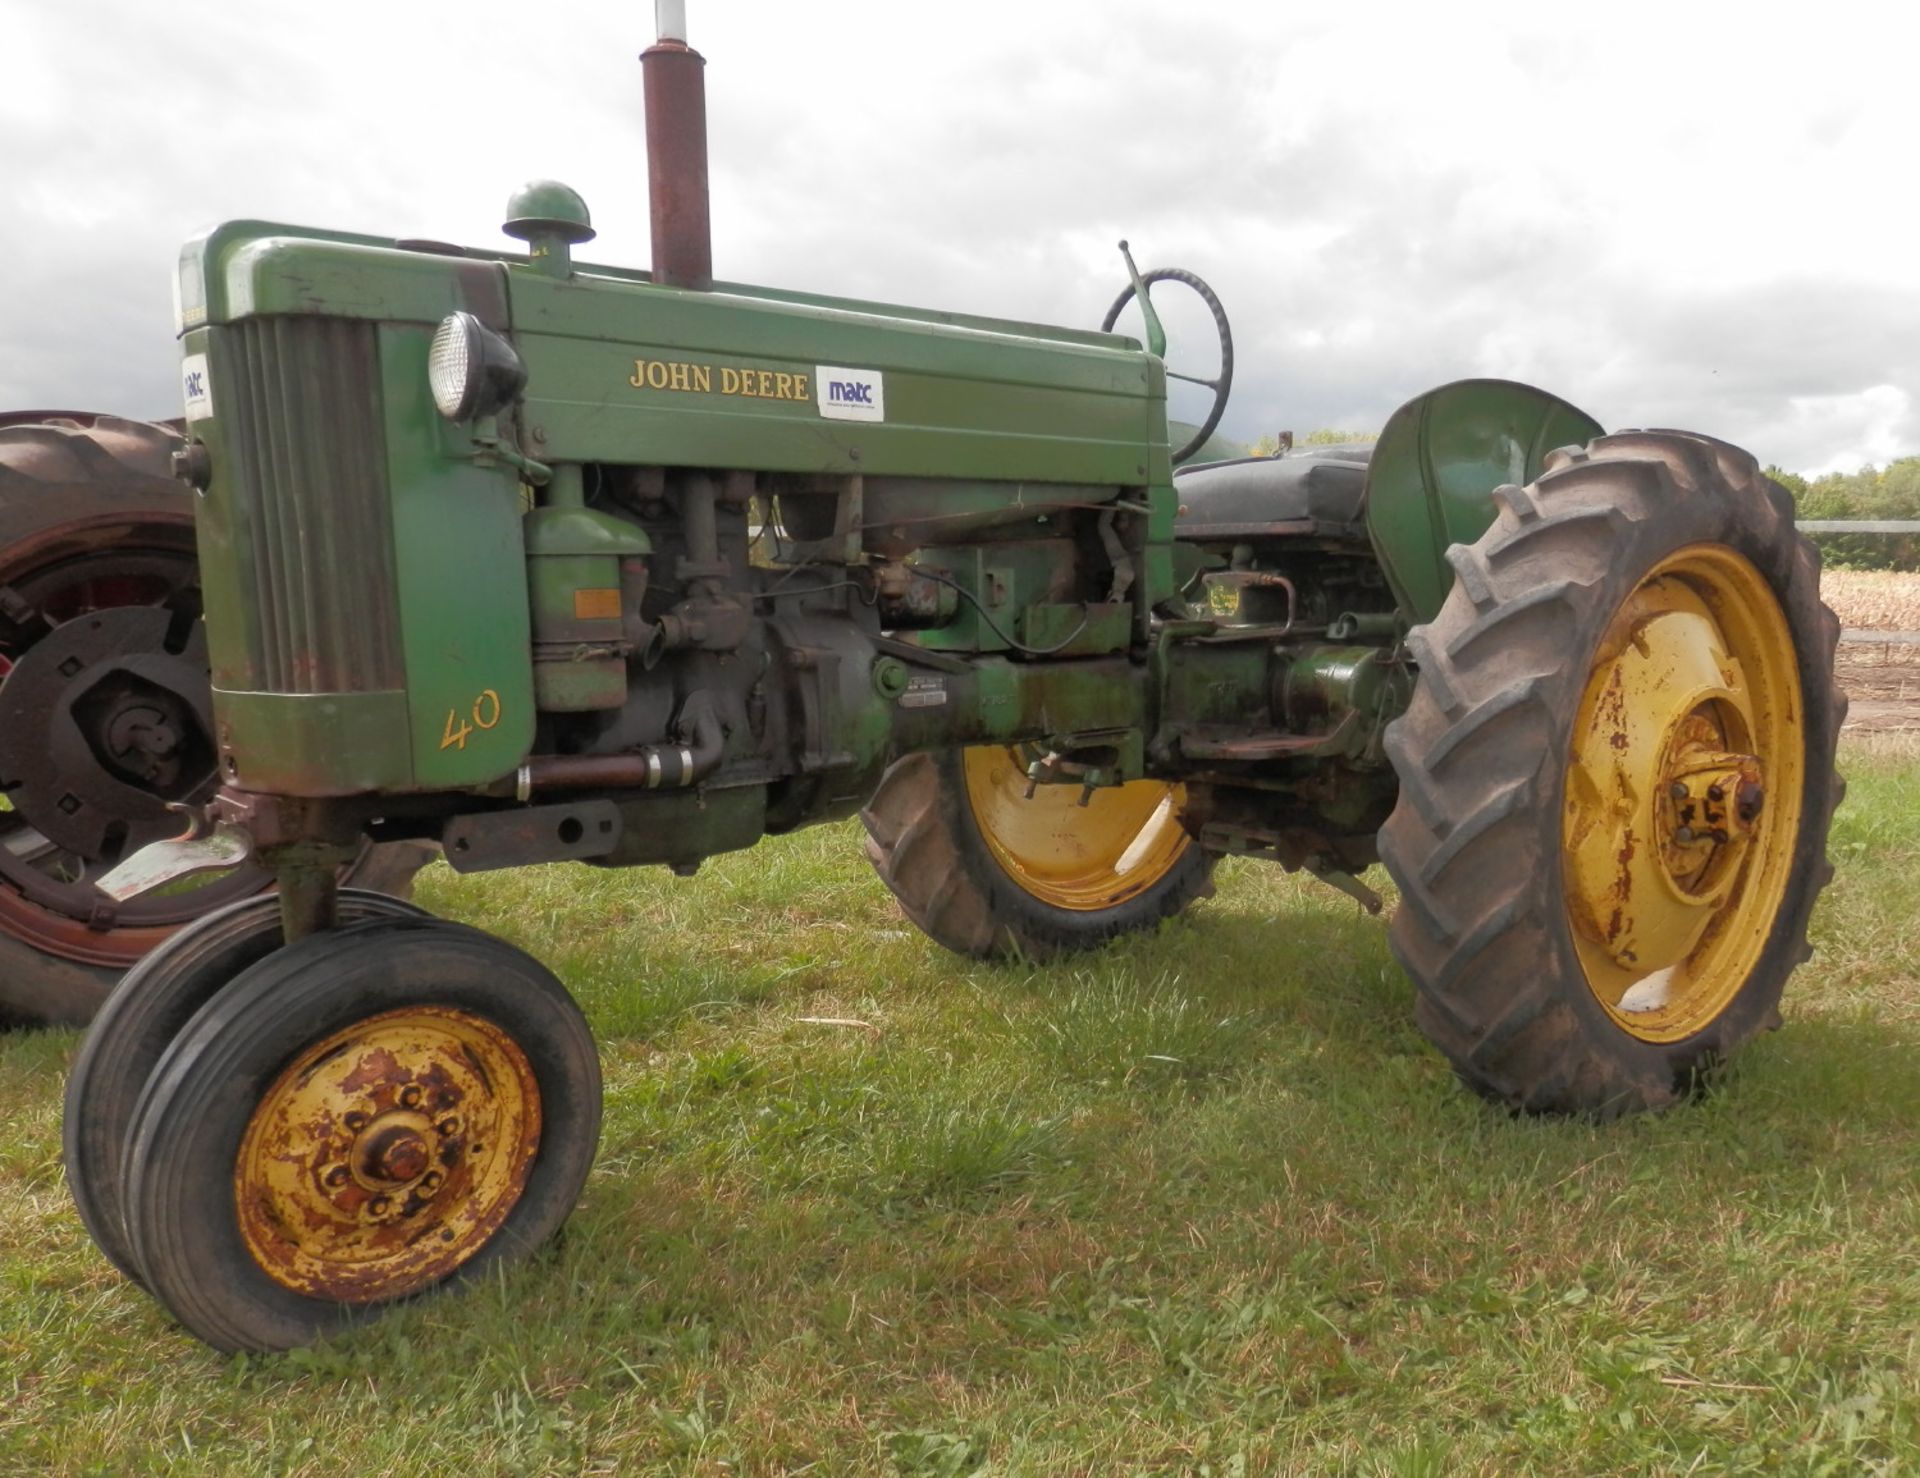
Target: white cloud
[(1879, 421), (1682, 214)]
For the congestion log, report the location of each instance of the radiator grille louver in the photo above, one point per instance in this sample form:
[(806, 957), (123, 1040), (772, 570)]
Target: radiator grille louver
[(309, 458)]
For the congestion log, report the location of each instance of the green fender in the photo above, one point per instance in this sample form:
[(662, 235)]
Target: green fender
[(1431, 480)]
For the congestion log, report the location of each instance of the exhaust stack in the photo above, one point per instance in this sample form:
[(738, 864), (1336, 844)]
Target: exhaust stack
[(676, 101)]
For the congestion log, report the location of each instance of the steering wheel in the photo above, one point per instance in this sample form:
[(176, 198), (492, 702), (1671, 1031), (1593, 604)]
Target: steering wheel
[(1221, 383)]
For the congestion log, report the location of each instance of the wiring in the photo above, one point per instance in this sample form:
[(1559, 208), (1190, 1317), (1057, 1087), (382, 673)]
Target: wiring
[(995, 627)]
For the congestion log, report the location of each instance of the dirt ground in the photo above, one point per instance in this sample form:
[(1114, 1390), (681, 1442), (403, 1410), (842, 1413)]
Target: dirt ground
[(1881, 676), (1882, 683)]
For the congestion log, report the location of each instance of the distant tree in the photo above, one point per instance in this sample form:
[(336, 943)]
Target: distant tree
[(1870, 493)]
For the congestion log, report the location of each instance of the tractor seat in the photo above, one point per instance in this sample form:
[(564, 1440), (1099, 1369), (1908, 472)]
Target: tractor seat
[(1316, 491)]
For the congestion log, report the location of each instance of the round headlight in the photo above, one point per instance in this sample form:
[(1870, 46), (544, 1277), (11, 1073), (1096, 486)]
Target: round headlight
[(450, 365), (471, 369)]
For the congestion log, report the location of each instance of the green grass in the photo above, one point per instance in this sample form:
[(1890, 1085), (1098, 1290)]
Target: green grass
[(1204, 1201)]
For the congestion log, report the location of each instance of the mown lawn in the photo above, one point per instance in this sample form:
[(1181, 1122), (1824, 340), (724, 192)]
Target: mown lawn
[(1204, 1201)]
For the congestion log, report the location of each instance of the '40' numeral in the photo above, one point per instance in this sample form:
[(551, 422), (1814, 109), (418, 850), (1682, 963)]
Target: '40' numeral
[(484, 714)]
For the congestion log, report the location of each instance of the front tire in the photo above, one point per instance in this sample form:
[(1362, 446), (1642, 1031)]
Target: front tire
[(368, 1114), (149, 1008), (1616, 777)]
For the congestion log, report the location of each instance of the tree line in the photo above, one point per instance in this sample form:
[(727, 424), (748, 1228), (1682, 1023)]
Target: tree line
[(1890, 492)]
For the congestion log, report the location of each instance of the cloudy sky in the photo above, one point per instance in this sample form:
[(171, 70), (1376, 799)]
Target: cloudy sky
[(1687, 215)]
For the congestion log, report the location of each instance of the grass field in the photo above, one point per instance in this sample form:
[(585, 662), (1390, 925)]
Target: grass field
[(1203, 1202)]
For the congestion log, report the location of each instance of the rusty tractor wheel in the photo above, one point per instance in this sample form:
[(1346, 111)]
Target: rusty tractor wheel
[(139, 1020), (104, 709), (988, 871), (360, 1117), (1616, 777)]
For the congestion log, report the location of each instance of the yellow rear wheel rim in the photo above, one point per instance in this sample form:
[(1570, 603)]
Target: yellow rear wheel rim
[(387, 1154), (1684, 792), (1126, 839)]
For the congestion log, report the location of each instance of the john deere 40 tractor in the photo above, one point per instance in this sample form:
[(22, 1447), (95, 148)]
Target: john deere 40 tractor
[(547, 561)]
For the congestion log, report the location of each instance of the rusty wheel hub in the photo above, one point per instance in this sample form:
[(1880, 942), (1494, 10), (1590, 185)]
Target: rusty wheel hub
[(387, 1154), (1682, 793), (101, 726)]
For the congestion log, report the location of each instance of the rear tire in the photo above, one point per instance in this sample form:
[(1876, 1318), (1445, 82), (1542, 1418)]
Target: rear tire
[(92, 520), (963, 885), (1540, 690)]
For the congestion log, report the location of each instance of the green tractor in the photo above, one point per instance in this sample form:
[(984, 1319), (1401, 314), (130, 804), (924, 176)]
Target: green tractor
[(105, 708), (544, 561)]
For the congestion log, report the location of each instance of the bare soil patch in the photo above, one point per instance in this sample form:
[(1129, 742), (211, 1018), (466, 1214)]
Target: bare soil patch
[(1881, 678)]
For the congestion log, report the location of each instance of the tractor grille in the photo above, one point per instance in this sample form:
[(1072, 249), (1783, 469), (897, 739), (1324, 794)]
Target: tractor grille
[(308, 454)]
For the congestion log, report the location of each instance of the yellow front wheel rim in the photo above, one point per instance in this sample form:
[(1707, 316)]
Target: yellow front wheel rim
[(387, 1154), (1122, 842), (1683, 795)]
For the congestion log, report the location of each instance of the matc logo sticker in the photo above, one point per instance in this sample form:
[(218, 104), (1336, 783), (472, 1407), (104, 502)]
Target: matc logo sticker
[(850, 394), (194, 387)]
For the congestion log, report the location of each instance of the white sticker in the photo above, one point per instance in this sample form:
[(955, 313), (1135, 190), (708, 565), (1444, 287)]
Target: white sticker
[(194, 385), (850, 394), (924, 692)]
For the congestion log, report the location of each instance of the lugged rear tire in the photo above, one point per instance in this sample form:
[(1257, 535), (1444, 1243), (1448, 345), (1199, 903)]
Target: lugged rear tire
[(92, 519), (1497, 923), (926, 841)]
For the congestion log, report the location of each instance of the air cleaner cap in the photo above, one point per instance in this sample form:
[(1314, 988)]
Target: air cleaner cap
[(548, 208)]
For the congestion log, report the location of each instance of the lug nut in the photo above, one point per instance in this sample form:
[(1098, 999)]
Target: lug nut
[(1677, 790), (410, 1096), (1716, 793), (1683, 834), (338, 1176), (448, 1127), (430, 1182), (379, 1206), (356, 1121)]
